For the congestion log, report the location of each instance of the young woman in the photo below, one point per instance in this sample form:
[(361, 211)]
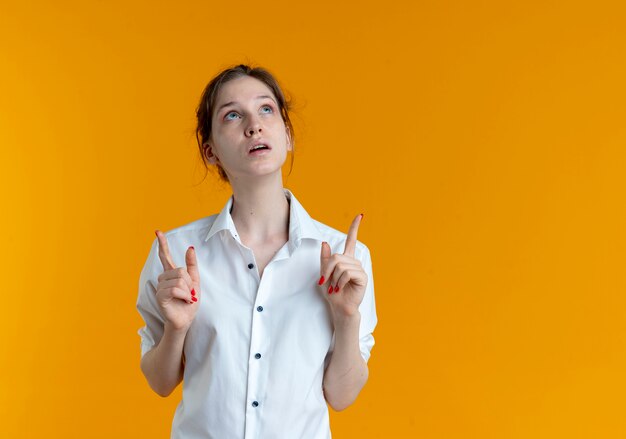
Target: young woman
[(264, 313)]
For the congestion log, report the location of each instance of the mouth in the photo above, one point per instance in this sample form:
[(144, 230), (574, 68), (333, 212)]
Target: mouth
[(259, 147)]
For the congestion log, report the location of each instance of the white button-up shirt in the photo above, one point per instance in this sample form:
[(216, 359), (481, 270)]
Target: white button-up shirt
[(256, 351)]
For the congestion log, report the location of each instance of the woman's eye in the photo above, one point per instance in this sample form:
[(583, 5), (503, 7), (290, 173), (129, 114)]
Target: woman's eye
[(231, 116), (266, 109)]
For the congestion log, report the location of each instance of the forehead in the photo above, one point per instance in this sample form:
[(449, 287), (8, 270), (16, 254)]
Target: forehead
[(242, 89)]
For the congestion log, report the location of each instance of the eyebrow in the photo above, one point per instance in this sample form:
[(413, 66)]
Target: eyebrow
[(227, 104)]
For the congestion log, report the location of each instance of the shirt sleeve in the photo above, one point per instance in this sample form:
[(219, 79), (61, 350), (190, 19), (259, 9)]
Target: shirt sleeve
[(147, 305), (367, 307)]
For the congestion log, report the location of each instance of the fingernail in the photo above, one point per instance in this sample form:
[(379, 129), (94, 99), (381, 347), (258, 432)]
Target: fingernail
[(155, 232), (194, 299), (362, 215), (321, 280), (193, 292), (336, 288), (192, 247), (330, 289)]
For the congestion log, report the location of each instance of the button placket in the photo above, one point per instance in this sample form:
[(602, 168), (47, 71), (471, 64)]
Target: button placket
[(257, 368), (258, 340)]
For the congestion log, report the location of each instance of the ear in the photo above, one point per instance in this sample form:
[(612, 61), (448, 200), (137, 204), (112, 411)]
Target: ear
[(289, 140), (208, 152)]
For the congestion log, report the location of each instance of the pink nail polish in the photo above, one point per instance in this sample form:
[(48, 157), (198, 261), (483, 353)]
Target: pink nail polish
[(321, 280)]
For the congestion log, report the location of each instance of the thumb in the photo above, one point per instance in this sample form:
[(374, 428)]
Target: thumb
[(192, 265)]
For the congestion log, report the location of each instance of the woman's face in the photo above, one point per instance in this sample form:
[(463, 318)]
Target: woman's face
[(249, 136)]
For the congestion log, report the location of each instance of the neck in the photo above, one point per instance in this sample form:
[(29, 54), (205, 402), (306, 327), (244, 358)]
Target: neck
[(260, 211)]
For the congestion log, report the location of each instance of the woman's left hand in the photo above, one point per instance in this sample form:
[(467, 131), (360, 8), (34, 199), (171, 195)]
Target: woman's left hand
[(343, 277)]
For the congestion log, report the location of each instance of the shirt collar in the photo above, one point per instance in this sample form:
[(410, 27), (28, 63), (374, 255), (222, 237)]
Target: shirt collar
[(301, 225)]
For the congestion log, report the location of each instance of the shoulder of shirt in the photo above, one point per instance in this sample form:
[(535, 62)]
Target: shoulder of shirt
[(197, 228), (178, 239)]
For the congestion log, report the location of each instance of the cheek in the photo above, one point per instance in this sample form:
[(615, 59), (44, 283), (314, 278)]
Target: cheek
[(224, 133)]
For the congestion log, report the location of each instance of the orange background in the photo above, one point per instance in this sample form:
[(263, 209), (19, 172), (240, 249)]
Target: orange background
[(484, 141)]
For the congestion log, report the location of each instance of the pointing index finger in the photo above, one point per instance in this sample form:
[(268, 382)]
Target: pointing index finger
[(351, 239), (164, 252)]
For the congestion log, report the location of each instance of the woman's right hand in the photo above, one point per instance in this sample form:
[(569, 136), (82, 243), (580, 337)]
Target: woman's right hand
[(178, 290)]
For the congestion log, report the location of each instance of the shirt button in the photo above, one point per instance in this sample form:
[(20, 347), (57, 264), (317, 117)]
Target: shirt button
[(257, 356), (250, 266), (259, 308), (255, 404)]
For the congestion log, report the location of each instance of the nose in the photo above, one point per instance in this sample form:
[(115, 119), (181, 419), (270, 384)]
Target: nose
[(254, 127)]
